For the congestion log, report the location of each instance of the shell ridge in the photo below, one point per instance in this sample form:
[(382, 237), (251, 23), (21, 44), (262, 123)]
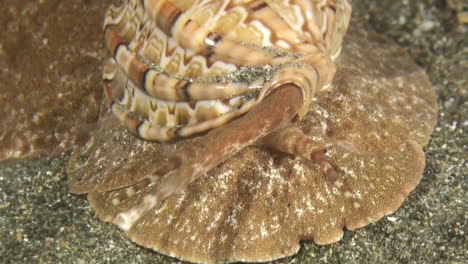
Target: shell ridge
[(154, 85), (191, 35), (153, 81)]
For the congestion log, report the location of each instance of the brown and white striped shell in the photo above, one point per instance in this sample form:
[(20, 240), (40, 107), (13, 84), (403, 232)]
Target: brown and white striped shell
[(182, 67)]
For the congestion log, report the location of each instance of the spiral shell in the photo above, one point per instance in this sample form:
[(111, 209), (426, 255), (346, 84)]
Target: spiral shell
[(184, 67)]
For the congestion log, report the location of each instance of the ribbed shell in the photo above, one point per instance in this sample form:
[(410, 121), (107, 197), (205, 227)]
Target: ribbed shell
[(183, 67)]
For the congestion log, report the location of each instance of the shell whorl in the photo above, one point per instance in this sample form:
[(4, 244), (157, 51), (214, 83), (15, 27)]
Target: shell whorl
[(184, 67)]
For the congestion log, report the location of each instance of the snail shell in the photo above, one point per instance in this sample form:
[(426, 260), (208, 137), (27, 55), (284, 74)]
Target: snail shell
[(184, 67)]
